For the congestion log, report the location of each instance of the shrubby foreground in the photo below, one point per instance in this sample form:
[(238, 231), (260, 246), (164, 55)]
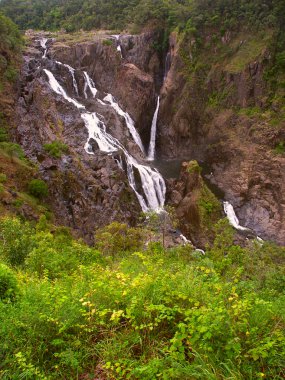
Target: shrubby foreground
[(70, 312)]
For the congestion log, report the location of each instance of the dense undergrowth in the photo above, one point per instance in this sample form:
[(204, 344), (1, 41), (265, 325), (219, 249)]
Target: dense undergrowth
[(70, 312)]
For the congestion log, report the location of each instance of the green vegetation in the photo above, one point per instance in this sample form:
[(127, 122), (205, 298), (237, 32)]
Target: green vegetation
[(107, 42), (3, 128), (69, 311), (247, 52), (8, 284), (10, 44), (193, 167), (12, 150), (3, 178), (3, 134), (117, 238), (280, 148), (56, 149), (189, 16), (38, 188)]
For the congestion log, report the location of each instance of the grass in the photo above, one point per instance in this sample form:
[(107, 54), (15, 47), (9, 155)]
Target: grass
[(80, 37), (247, 51)]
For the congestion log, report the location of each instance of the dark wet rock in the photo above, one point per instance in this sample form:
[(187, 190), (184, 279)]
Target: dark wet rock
[(236, 148), (86, 191)]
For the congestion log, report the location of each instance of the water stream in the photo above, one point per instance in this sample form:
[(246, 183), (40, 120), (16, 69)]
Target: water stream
[(231, 215), (72, 71), (152, 183), (129, 121), (151, 149), (89, 84), (119, 48), (43, 42)]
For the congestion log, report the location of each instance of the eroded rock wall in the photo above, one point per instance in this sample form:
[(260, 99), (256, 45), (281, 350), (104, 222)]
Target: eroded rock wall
[(213, 113), (85, 191)]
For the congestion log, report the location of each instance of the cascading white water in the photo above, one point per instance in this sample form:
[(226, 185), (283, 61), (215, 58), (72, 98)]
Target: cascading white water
[(119, 48), (129, 121), (59, 89), (233, 220), (231, 215), (43, 42), (72, 71), (97, 131), (151, 149), (152, 182), (89, 84)]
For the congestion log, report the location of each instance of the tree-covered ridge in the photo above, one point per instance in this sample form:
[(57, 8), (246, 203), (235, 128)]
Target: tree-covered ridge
[(137, 312), (88, 14), (10, 42)]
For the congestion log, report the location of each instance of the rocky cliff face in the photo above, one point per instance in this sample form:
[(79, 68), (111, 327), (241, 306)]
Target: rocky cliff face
[(214, 114), (208, 113), (85, 191)]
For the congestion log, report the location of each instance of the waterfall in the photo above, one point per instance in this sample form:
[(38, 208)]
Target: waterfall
[(89, 84), (153, 189), (153, 185), (151, 149), (119, 48), (43, 42), (152, 182), (59, 89), (233, 220), (129, 121), (72, 71), (97, 131)]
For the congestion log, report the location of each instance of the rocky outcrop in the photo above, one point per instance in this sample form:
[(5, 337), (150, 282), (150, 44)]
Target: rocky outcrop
[(132, 78), (197, 208), (85, 191), (200, 119)]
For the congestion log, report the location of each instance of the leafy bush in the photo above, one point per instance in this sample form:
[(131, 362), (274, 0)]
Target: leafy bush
[(38, 188), (118, 237), (8, 284), (56, 148), (280, 148), (11, 74), (107, 42), (3, 178), (193, 167), (3, 134), (15, 240), (153, 314)]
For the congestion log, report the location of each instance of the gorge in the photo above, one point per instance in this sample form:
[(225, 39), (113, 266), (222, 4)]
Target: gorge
[(120, 148), (142, 178)]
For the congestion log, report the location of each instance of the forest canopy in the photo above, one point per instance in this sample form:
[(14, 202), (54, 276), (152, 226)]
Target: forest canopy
[(112, 14)]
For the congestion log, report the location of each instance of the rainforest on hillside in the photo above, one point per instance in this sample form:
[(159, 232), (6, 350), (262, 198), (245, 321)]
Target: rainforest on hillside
[(142, 189)]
